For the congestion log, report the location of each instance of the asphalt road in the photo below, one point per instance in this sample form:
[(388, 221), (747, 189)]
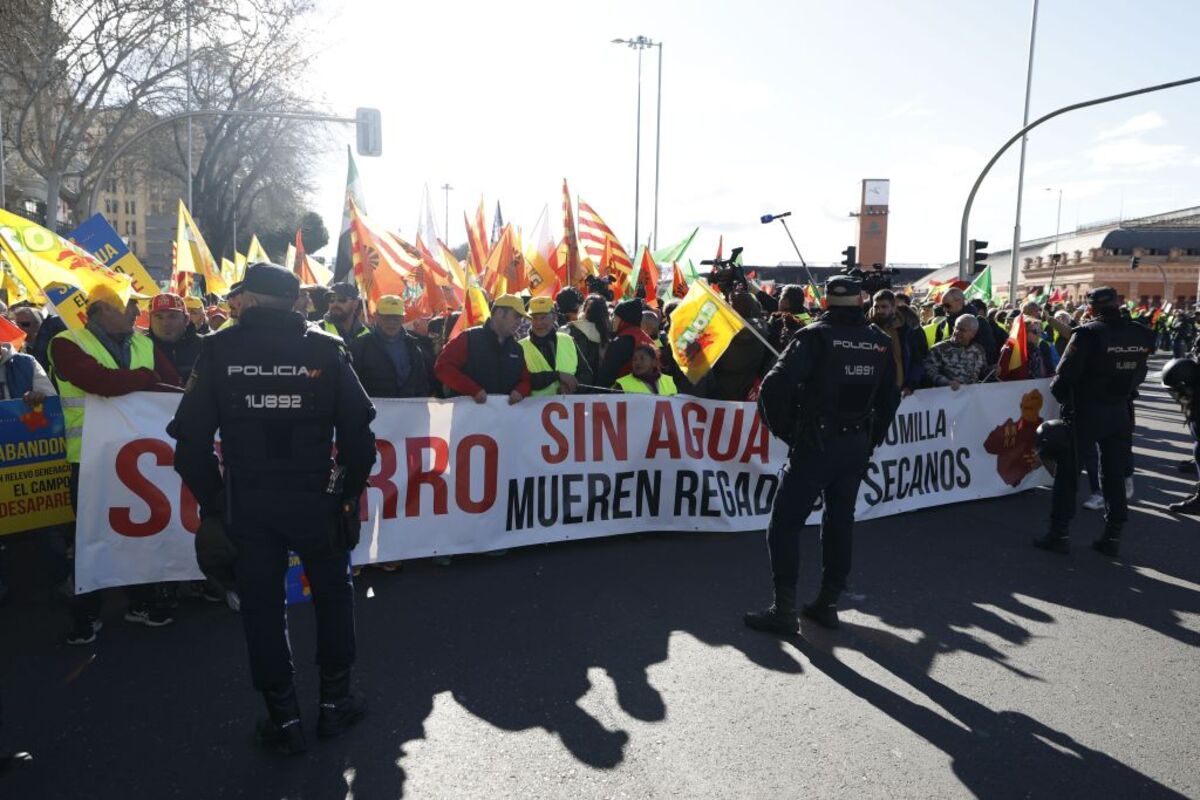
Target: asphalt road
[(968, 664)]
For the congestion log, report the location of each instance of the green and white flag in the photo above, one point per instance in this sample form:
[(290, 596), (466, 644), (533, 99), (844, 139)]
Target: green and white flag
[(353, 190), (981, 287), (669, 255)]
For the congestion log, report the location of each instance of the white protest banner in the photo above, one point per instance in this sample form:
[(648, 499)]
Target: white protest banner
[(457, 477)]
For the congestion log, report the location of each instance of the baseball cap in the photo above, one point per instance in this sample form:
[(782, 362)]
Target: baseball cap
[(841, 290), (271, 280), (167, 301), (390, 304), (511, 302), (105, 294), (235, 290), (541, 305), (346, 291), (192, 303)]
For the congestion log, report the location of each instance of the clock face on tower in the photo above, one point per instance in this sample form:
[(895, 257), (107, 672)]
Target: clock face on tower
[(875, 193)]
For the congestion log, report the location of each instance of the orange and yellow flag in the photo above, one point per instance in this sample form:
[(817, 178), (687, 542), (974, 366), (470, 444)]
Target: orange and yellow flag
[(475, 312)]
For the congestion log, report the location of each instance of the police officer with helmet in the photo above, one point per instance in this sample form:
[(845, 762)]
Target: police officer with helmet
[(1182, 377), (832, 397), (1104, 363), (281, 393)]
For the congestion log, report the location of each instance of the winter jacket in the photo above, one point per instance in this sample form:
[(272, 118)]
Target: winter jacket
[(21, 373), (376, 369)]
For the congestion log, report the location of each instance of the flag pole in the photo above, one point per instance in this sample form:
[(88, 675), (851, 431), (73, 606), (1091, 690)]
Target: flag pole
[(746, 323)]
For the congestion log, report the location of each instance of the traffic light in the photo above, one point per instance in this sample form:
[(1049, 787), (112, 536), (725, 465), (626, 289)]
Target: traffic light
[(1135, 262), (851, 257), (369, 130), (978, 259)]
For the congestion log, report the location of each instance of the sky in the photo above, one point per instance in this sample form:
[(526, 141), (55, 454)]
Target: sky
[(766, 107)]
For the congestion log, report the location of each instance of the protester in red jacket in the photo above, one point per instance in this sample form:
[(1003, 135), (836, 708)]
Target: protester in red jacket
[(487, 359)]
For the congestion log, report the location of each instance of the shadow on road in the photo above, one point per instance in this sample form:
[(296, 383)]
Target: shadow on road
[(167, 713)]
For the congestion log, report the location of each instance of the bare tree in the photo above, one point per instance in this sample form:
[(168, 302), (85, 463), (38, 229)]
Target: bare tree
[(248, 174), (77, 74)]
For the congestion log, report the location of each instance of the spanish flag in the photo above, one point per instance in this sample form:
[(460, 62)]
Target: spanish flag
[(702, 326), (1018, 344)]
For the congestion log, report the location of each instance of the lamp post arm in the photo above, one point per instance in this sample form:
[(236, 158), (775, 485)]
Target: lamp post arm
[(962, 242)]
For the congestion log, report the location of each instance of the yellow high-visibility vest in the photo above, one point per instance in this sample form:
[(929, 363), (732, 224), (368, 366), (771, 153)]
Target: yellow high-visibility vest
[(141, 355), (566, 359), (633, 385)]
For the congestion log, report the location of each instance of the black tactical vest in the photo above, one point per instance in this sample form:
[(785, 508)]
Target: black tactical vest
[(855, 356), (276, 381), (1116, 360)]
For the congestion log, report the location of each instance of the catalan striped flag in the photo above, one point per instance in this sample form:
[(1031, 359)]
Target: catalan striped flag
[(602, 245)]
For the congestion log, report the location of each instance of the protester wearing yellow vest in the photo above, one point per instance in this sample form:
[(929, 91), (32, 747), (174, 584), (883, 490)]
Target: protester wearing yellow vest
[(107, 358), (645, 377), (342, 319), (551, 357)]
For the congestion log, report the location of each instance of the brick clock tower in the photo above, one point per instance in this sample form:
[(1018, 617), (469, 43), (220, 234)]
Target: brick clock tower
[(872, 222)]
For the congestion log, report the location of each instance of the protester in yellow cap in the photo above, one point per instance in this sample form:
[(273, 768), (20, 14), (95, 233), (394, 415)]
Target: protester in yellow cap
[(197, 314), (645, 377), (107, 358), (486, 360), (552, 358), (388, 359)]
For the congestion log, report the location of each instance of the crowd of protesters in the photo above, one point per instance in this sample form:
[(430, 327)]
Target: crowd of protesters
[(567, 344)]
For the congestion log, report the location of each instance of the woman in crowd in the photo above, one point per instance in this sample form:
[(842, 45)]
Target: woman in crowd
[(645, 377), (591, 331)]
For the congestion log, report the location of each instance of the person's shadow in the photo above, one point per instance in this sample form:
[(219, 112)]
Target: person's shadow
[(512, 640)]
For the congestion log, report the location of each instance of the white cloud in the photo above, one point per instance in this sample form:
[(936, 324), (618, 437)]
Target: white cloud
[(1141, 123), (1134, 153)]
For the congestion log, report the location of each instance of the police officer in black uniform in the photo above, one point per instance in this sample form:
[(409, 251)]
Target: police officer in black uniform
[(279, 390), (1104, 363), (832, 397)]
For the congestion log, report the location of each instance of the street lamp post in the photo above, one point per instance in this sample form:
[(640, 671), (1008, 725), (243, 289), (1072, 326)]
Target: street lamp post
[(188, 17), (1015, 276), (447, 188), (641, 43)]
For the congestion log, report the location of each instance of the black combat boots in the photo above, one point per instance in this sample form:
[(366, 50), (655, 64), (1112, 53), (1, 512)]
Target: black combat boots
[(1188, 505), (1054, 541), (823, 610), (1110, 543), (282, 731), (340, 708), (780, 618)]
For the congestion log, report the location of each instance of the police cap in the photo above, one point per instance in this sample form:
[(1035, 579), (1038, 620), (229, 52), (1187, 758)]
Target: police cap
[(1102, 297), (842, 290), (271, 280)]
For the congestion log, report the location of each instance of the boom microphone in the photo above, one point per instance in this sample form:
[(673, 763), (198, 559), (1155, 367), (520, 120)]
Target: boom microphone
[(767, 219)]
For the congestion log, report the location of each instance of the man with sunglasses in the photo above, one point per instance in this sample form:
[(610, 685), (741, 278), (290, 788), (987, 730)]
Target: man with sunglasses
[(954, 303), (28, 319), (343, 318)]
